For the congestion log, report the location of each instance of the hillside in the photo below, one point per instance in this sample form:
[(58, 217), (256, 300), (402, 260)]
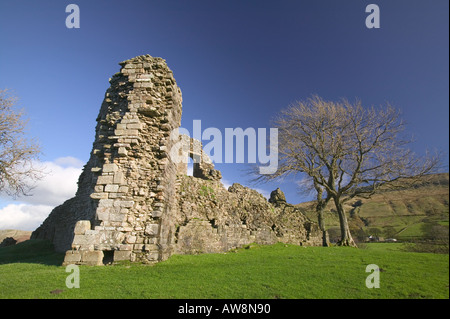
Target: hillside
[(407, 214), (18, 235)]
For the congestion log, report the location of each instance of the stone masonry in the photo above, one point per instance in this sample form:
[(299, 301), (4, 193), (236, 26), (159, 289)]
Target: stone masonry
[(135, 203)]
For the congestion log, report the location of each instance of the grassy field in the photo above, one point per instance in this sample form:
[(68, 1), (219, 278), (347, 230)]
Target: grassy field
[(30, 270)]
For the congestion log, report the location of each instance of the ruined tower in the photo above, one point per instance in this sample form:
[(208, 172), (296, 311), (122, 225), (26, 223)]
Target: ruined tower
[(126, 191), (134, 202)]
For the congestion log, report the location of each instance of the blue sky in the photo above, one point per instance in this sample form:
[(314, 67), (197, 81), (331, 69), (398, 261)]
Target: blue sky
[(238, 63)]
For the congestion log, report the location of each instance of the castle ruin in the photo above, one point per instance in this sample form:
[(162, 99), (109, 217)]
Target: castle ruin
[(135, 203)]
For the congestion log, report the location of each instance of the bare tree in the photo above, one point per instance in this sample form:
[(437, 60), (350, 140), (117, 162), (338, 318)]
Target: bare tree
[(346, 150), (17, 153)]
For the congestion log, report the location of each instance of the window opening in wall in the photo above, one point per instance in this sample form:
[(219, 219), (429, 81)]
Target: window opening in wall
[(190, 167)]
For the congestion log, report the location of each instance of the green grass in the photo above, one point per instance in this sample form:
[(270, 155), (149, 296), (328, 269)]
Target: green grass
[(276, 271), (414, 230), (31, 251)]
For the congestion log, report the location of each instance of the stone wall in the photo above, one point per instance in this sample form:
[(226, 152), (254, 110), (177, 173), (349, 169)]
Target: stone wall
[(214, 219), (134, 201), (127, 189), (203, 166)]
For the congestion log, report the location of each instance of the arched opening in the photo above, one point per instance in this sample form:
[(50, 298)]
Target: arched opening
[(190, 167)]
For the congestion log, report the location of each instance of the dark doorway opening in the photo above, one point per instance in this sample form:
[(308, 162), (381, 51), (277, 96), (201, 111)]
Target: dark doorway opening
[(108, 257)]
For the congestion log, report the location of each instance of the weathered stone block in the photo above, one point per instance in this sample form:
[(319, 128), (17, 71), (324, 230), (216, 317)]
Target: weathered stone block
[(151, 247), (105, 203), (105, 179), (96, 169), (102, 214), (126, 247), (112, 188), (122, 151), (72, 257), (99, 195), (135, 126), (92, 258), (119, 178), (129, 132), (85, 247), (157, 212), (122, 255), (124, 203), (119, 132), (130, 239), (110, 168), (84, 240), (81, 226), (152, 229), (153, 256), (146, 85), (117, 217)]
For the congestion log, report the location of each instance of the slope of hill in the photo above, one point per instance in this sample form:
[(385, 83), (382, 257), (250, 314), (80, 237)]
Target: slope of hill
[(407, 214), (18, 235)]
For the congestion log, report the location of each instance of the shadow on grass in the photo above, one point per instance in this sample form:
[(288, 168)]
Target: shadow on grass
[(35, 251)]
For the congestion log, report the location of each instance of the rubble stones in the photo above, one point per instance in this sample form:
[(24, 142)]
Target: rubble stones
[(277, 197)]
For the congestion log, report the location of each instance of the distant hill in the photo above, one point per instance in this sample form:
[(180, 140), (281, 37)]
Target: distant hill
[(18, 235), (406, 214)]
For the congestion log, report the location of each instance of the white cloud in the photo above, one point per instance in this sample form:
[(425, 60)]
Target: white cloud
[(69, 161), (58, 185), (23, 216)]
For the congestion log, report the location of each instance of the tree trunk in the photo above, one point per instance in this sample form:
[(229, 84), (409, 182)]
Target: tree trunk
[(321, 204), (346, 236), (325, 238)]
